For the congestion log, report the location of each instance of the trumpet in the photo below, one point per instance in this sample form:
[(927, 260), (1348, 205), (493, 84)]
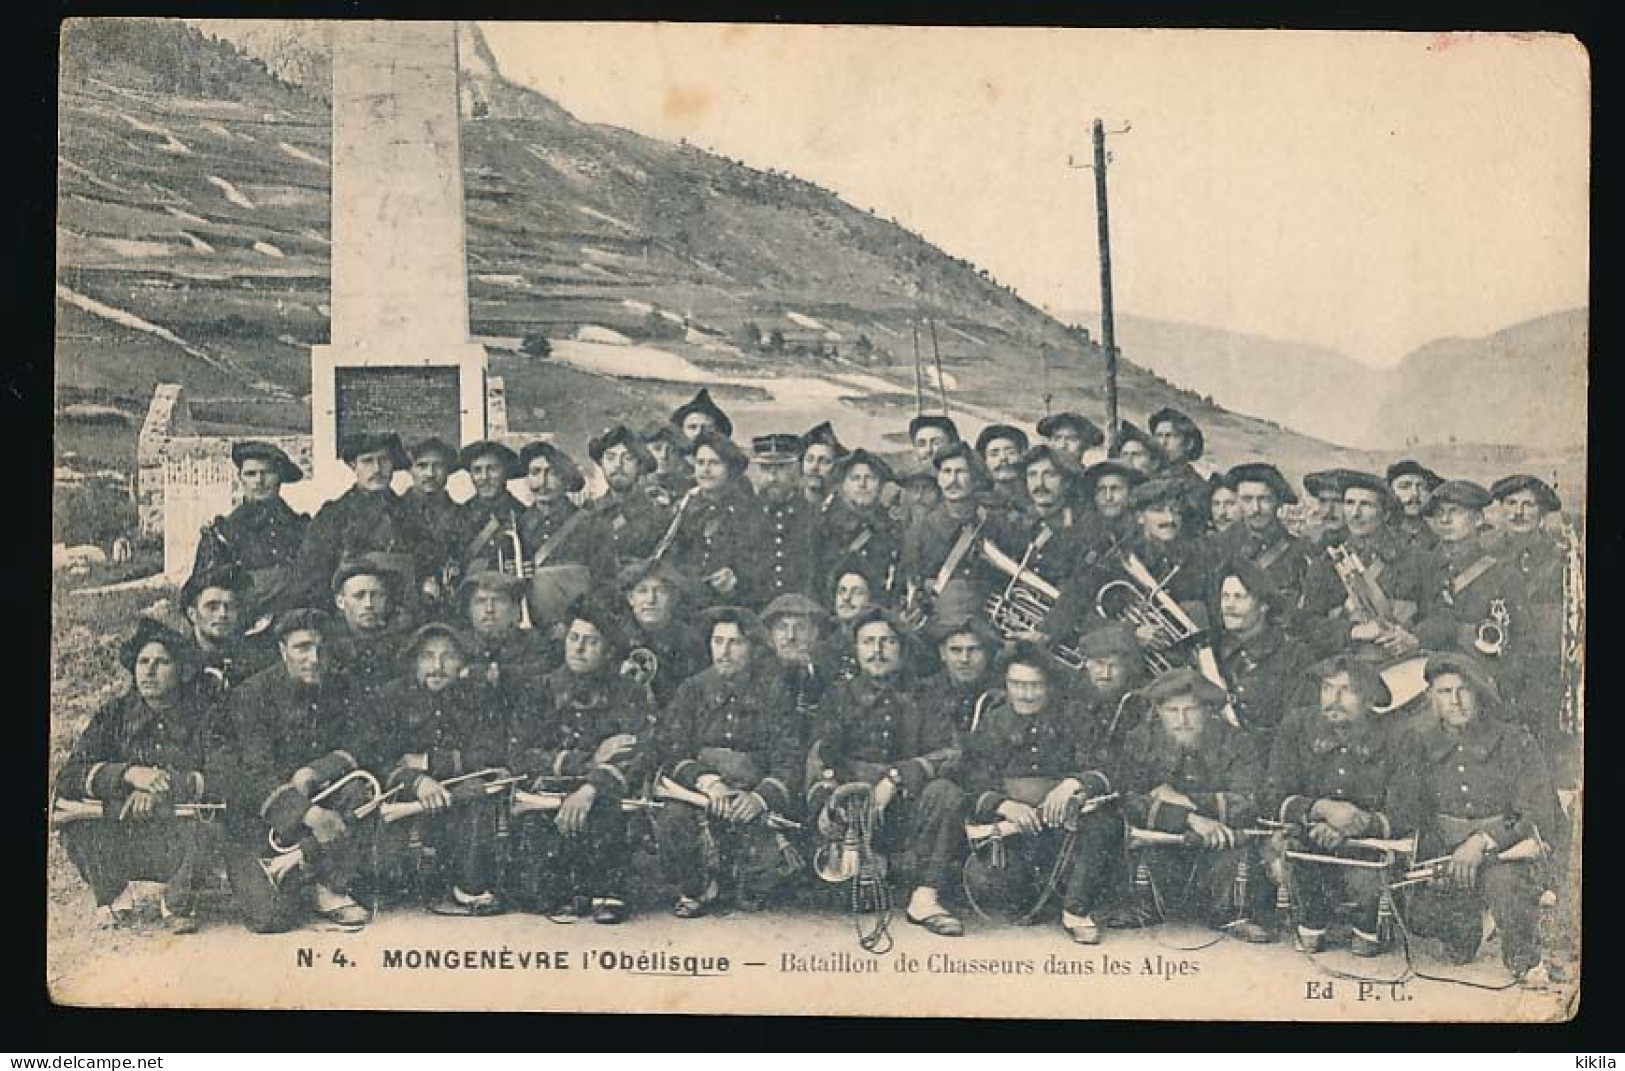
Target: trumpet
[(390, 813), (64, 812), (1025, 602), (377, 798), (515, 563), (666, 789), (986, 832), (1147, 603)]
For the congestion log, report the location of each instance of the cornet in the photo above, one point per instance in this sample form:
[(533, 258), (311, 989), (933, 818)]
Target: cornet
[(1491, 636), (515, 563)]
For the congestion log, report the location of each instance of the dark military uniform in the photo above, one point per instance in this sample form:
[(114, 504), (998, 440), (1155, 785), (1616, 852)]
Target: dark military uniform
[(1223, 776), (1010, 756), (1531, 676), (557, 749), (1313, 759), (622, 529), (1405, 574), (941, 692), (1471, 580), (1052, 546), (363, 524), (510, 671), (223, 668), (264, 538), (681, 652), (928, 543), (440, 519), (483, 533), (1267, 676), (784, 554), (1416, 531), (743, 730), (1281, 556), (553, 529), (367, 660), (413, 733), (718, 532), (1194, 490), (867, 540), (274, 726), (110, 853), (1491, 778), (863, 730), (1182, 566)]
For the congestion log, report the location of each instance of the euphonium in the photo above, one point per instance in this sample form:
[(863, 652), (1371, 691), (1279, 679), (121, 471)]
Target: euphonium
[(1148, 604), (1025, 602)]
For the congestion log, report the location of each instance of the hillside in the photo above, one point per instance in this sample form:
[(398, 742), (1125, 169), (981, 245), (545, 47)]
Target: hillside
[(193, 248)]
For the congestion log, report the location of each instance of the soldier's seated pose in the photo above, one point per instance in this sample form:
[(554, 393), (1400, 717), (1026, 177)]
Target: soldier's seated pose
[(279, 758), (214, 602), (730, 734), (657, 596), (1476, 790), (430, 735), (140, 756), (874, 740), (968, 649), (591, 742), (1329, 773), (263, 534), (1033, 760), (1192, 784)]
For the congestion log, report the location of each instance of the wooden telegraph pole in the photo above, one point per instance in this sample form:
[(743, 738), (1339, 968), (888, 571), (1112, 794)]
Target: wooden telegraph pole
[(1108, 332)]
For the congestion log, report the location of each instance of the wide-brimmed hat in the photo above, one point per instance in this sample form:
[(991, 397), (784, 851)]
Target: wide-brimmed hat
[(1411, 467), (858, 457), (702, 403), (792, 603), (275, 456), (634, 573), (1110, 638), (601, 615), (1261, 472), (559, 461), (822, 435), (1129, 432), (1183, 680), (491, 580), (490, 448), (1363, 675), (150, 630), (1064, 462), (364, 565), (354, 446), (621, 435), (423, 633), (1463, 493), (732, 456), (1001, 431), (1257, 582), (436, 446), (933, 420), (226, 577), (1156, 491), (1187, 427), (946, 626), (980, 477), (302, 619), (1089, 433), (1470, 669), (1094, 472), (1354, 480)]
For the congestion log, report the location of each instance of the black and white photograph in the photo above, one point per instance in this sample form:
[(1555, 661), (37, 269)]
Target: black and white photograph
[(743, 519)]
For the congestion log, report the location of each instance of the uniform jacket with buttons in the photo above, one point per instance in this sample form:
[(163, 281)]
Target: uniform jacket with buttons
[(1312, 759), (510, 671), (742, 729), (868, 540), (1416, 531), (719, 531), (127, 732), (1406, 575), (1223, 775), (623, 528), (1267, 676), (368, 660), (1058, 742), (356, 524), (1470, 578), (932, 537), (783, 559), (474, 518), (440, 519), (413, 733), (542, 525), (1284, 558), (264, 538), (580, 713), (941, 692), (680, 649), (863, 728), (1061, 550), (1491, 774)]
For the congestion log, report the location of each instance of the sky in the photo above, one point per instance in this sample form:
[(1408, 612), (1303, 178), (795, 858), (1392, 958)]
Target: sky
[(1368, 193)]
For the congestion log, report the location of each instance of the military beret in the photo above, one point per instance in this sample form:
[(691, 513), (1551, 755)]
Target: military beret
[(354, 446), (1261, 472), (1156, 491), (1128, 432), (858, 457), (435, 446), (1001, 431), (1110, 638), (1187, 427), (150, 630), (600, 614), (303, 619), (822, 435), (776, 449), (1113, 468), (634, 573), (1028, 653), (662, 432), (255, 450), (491, 580), (792, 603), (946, 626), (1463, 493), (1064, 462), (702, 403), (227, 577), (748, 623), (1182, 680), (362, 565), (423, 633), (1511, 485), (1469, 669), (1089, 433), (1366, 481), (735, 459), (557, 460), (621, 435), (1325, 482), (933, 420), (1363, 675), (978, 468), (1410, 467), (488, 448), (1257, 582)]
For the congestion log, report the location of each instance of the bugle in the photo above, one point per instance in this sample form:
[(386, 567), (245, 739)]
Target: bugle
[(666, 789), (389, 813), (65, 811), (514, 563), (1428, 871), (548, 802), (1157, 838), (375, 800), (980, 834)]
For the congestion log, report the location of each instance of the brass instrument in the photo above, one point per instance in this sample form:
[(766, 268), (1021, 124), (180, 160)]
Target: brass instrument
[(515, 563), (1147, 603), (1428, 871), (390, 813), (666, 789), (847, 824), (65, 811), (1157, 838), (986, 832), (1025, 602), (1491, 636), (666, 540), (549, 802), (1371, 604), (377, 798)]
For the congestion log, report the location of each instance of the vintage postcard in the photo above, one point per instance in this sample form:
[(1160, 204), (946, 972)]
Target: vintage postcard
[(866, 521)]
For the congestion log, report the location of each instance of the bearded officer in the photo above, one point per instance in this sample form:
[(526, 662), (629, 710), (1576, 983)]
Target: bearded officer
[(787, 523), (873, 730), (1188, 772), (1034, 754), (262, 534), (730, 733), (626, 522), (368, 520), (1472, 785), (1329, 773), (1413, 484)]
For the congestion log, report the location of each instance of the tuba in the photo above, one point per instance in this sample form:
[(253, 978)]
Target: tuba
[(1026, 600), (1142, 600)]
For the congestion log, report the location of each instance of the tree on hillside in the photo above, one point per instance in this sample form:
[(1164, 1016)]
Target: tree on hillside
[(750, 335), (775, 341), (537, 346), (863, 347)]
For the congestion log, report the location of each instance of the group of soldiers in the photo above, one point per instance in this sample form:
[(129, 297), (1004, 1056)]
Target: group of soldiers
[(1027, 680)]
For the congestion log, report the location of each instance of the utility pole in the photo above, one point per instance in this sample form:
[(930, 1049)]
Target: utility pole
[(919, 370), (1108, 333), (936, 359)]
